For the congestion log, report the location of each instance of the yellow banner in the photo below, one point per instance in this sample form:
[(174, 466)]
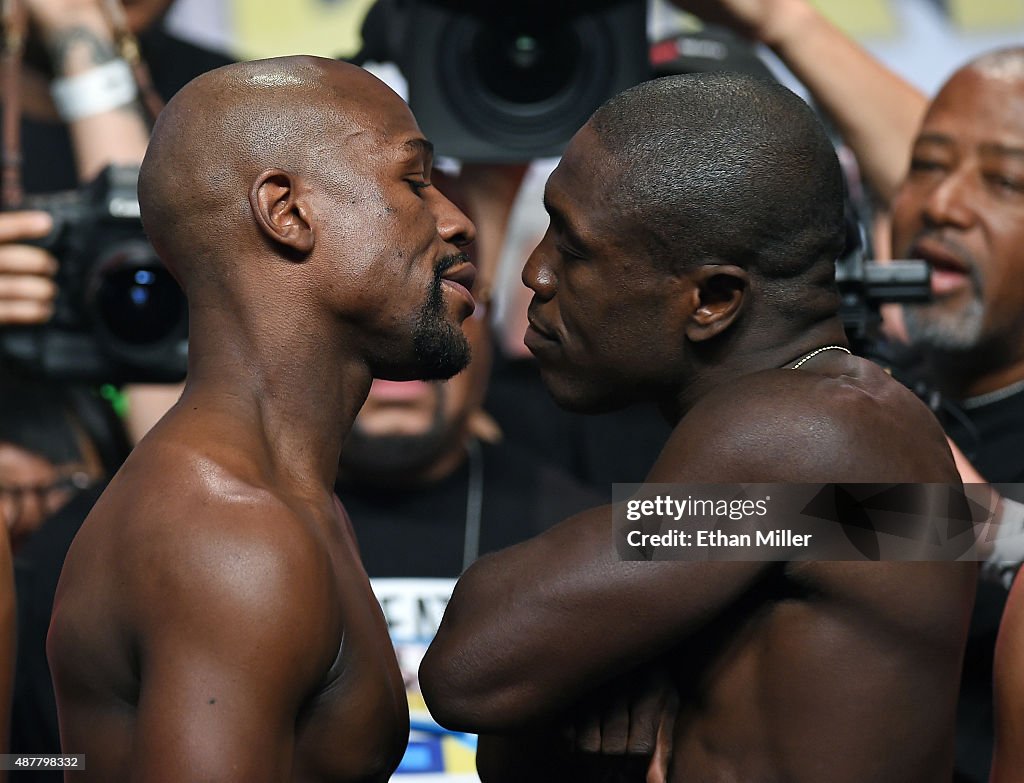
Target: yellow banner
[(864, 18), (329, 28), (987, 15)]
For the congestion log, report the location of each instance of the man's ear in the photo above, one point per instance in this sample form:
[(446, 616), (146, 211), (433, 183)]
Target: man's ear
[(719, 294), (280, 210)]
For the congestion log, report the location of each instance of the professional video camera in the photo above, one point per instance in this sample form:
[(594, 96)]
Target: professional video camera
[(866, 285), (497, 82), (119, 316)]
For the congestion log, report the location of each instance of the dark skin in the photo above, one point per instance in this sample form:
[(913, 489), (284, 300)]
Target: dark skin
[(1009, 690), (213, 619), (784, 671)]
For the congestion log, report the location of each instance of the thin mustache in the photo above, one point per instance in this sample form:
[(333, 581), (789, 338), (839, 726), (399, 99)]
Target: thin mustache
[(950, 244), (448, 262)]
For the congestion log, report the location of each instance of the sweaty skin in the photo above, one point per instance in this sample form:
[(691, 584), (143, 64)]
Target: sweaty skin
[(784, 671), (213, 620), (1009, 690)]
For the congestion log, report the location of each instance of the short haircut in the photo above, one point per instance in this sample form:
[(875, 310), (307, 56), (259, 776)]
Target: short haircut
[(724, 168)]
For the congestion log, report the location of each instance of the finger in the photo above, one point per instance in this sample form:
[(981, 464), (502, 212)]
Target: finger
[(28, 260), (27, 288), (588, 732), (24, 312), (24, 225), (644, 719), (615, 722)]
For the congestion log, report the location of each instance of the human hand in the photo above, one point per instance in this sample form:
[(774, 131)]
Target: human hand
[(767, 21), (633, 719), (56, 14), (27, 290)]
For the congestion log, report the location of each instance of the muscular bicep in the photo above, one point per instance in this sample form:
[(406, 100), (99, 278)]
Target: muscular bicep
[(229, 649)]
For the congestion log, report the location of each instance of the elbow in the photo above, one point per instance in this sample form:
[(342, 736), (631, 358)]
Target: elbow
[(462, 698), (449, 693)]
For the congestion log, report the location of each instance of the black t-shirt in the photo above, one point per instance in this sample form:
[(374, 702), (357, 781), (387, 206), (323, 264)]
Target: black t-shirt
[(990, 432), (616, 447), (421, 531)]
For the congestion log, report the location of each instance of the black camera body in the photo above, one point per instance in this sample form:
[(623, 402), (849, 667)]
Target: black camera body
[(864, 286), (119, 315)]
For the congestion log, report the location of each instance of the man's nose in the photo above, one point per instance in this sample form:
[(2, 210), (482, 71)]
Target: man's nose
[(538, 274), (452, 223), (951, 201)]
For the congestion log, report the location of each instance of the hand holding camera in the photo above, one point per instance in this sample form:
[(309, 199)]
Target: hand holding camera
[(27, 289), (118, 315)]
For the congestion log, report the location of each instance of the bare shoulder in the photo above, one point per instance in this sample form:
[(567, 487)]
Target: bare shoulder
[(853, 425), (181, 540)]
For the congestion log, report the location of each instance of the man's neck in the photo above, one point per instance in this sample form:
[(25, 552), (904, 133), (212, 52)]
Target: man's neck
[(761, 351), (300, 398)]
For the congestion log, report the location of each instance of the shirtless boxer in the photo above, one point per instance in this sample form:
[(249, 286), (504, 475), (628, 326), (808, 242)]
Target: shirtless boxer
[(695, 221), (213, 619)]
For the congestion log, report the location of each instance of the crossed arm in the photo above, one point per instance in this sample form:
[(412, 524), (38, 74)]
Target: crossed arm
[(533, 629)]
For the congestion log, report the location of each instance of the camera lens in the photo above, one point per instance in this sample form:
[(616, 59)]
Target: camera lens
[(527, 63), (522, 79), (135, 299)]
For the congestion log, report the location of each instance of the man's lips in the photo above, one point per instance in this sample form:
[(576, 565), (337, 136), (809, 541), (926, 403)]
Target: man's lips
[(939, 256), (461, 278), (539, 338), (949, 272)]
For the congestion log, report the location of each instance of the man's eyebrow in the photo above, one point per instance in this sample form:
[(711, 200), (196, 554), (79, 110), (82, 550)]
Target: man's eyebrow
[(987, 148), (1003, 150), (934, 138), (560, 223), (420, 146)]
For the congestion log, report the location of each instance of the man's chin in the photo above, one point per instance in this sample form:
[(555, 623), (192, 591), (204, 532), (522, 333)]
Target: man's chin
[(929, 326), (577, 398), (441, 355)]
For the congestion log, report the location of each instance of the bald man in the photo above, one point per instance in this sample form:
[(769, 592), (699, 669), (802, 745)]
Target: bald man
[(695, 222), (213, 619)]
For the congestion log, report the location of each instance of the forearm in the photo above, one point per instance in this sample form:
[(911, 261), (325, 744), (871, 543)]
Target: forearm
[(876, 112), (519, 641), (533, 628), (80, 40)]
